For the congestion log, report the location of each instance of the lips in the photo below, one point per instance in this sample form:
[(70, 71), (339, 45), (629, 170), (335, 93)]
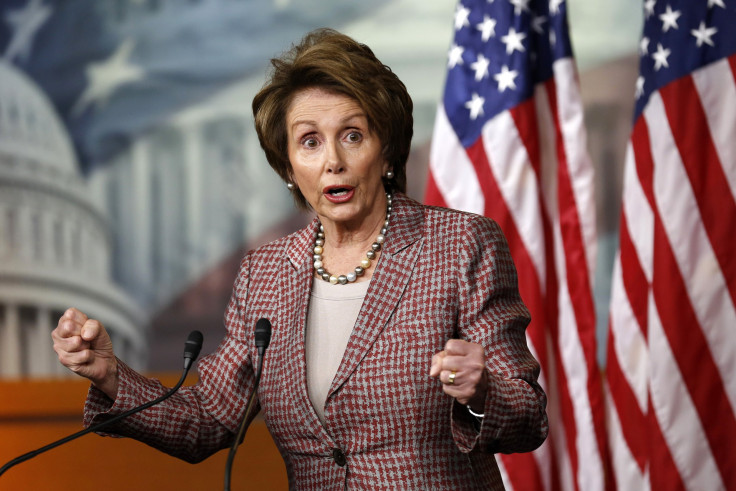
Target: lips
[(338, 193)]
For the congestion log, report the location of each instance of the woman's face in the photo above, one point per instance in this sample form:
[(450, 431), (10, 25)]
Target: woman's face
[(336, 160)]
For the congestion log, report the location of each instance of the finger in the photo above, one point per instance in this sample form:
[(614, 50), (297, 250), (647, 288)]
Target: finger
[(465, 364), (457, 347), (77, 359), (456, 387), (463, 349), (75, 315), (453, 362), (449, 377), (91, 330), (436, 367), (72, 344), (454, 347), (67, 328)]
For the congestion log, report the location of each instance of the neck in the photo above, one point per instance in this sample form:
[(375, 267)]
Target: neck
[(341, 238), (350, 256), (344, 235)]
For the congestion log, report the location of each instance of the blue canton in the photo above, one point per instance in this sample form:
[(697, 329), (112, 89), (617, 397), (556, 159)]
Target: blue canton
[(679, 37), (501, 50)]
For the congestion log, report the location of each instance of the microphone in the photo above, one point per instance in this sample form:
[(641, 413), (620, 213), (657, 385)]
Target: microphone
[(262, 335), (191, 350), (262, 339)]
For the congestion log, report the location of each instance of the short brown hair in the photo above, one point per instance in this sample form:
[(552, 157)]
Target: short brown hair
[(335, 62)]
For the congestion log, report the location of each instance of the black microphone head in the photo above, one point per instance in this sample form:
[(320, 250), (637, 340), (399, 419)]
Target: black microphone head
[(263, 333), (193, 346)]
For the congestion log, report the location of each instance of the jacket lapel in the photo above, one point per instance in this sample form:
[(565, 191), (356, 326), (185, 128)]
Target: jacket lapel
[(299, 254), (392, 274)]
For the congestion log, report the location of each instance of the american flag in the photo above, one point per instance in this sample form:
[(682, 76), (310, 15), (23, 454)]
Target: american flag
[(672, 327), (509, 143)]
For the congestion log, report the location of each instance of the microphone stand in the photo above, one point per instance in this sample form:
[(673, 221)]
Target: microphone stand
[(262, 339), (189, 357)]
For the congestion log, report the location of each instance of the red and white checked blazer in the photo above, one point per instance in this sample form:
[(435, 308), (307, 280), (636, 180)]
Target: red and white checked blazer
[(441, 274)]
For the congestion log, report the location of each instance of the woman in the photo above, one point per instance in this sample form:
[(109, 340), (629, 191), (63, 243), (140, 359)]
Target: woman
[(405, 366)]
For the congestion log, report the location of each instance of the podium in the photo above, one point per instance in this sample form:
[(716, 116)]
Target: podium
[(36, 412)]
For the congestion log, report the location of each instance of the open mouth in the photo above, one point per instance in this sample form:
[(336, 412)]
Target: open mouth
[(339, 194)]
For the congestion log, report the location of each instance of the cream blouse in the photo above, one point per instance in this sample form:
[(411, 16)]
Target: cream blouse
[(333, 310)]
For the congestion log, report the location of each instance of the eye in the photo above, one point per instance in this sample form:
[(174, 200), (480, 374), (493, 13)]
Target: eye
[(354, 137), (310, 142)]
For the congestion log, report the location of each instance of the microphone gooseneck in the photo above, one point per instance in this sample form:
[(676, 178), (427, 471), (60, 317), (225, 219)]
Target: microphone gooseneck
[(262, 339), (191, 350)]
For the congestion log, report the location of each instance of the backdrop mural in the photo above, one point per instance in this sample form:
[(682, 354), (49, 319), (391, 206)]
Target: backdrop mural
[(131, 179)]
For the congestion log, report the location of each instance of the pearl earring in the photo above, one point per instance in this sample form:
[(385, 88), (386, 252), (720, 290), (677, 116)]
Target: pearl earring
[(290, 186), (390, 174)]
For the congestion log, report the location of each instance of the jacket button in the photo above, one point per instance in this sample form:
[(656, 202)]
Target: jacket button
[(339, 457)]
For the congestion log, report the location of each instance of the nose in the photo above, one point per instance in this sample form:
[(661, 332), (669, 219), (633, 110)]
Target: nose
[(334, 163)]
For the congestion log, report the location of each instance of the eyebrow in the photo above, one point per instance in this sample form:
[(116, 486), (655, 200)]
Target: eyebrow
[(343, 120)]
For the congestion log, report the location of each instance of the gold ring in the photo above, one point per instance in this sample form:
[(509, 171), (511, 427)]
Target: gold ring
[(451, 378)]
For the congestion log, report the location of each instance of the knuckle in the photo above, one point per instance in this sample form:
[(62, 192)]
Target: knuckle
[(64, 358), (78, 314), (58, 346), (95, 325), (71, 344), (72, 314), (66, 328), (85, 356)]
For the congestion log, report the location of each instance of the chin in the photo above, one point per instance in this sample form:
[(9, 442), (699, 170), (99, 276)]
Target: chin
[(344, 213)]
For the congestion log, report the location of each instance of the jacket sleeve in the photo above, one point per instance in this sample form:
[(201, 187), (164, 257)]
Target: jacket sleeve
[(493, 315), (196, 421)]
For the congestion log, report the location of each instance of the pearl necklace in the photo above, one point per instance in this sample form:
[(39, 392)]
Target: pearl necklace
[(343, 279)]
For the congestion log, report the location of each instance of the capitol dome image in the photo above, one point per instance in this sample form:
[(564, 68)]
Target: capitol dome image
[(55, 244)]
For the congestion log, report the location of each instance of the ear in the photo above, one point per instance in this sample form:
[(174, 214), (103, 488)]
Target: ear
[(289, 172)]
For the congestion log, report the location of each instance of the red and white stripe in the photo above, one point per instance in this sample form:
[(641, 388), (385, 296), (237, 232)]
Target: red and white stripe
[(671, 375), (530, 172)]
